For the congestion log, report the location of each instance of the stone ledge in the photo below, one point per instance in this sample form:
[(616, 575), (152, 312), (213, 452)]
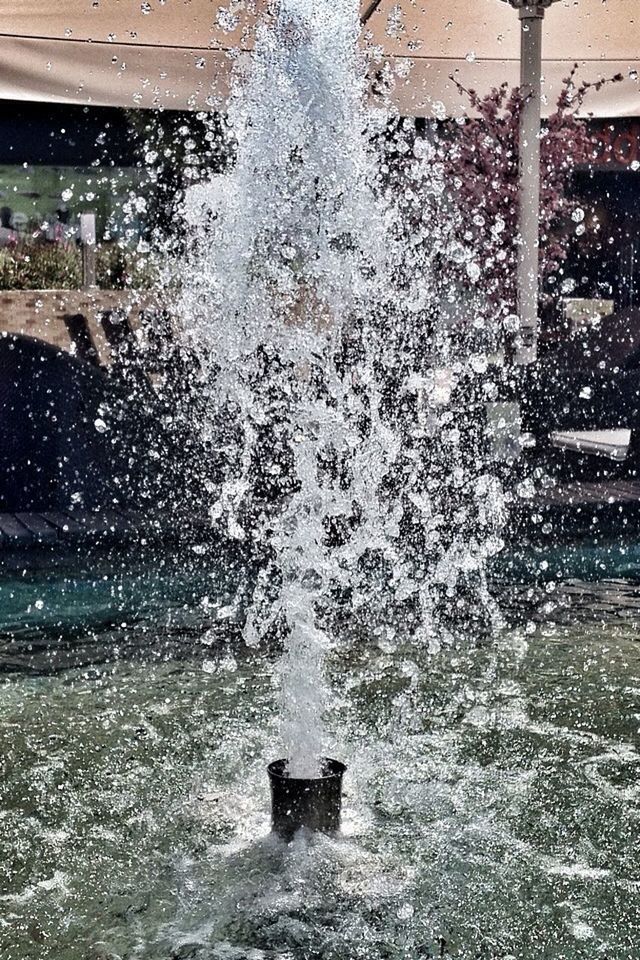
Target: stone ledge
[(40, 313)]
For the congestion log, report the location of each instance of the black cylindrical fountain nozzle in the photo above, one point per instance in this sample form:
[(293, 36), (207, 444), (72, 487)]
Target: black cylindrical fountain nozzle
[(314, 803)]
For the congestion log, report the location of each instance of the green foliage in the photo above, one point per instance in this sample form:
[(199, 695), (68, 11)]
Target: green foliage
[(38, 266), (31, 265)]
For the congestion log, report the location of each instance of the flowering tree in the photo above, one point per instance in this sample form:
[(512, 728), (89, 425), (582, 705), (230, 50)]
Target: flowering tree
[(482, 165)]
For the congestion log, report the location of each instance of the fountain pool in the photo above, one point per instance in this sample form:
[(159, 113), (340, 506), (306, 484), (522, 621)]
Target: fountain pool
[(491, 802)]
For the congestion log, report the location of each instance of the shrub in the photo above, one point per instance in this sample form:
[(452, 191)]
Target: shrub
[(38, 265)]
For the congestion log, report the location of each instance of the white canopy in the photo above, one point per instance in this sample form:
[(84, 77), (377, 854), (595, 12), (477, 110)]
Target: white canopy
[(175, 53)]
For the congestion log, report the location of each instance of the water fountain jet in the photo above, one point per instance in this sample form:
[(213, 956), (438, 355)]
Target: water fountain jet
[(310, 295)]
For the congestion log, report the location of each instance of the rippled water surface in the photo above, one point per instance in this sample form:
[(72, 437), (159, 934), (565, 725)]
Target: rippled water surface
[(492, 798)]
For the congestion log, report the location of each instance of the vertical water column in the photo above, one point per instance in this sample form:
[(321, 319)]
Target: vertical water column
[(280, 268), (308, 243)]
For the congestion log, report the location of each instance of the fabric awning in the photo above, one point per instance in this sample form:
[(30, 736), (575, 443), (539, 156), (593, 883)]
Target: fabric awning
[(175, 54)]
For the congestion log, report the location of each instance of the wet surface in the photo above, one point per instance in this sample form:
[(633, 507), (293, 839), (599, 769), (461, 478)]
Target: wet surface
[(492, 803), (57, 613)]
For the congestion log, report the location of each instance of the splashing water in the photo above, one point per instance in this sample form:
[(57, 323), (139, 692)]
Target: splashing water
[(309, 292)]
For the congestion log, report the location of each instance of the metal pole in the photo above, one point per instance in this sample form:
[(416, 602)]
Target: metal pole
[(531, 16), (88, 248), (525, 344)]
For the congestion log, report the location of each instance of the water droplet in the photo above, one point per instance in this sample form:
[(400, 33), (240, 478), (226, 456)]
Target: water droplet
[(473, 271), (394, 21), (145, 6), (526, 489), (201, 63), (226, 20), (479, 363), (405, 911), (229, 664), (39, 604), (100, 425), (471, 56), (578, 215)]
